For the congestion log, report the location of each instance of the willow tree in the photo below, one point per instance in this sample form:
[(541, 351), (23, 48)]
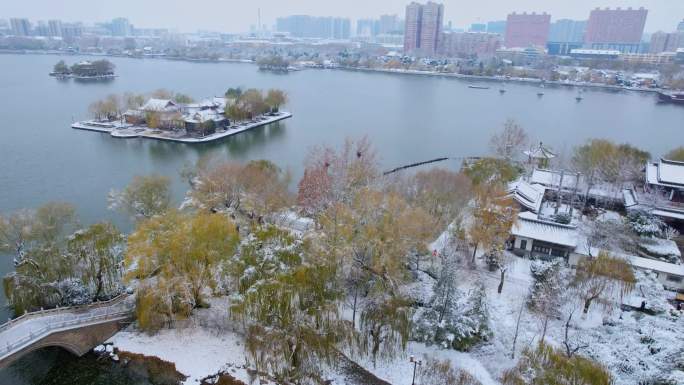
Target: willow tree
[(549, 366), (37, 239), (275, 98), (441, 193), (601, 278), (374, 237), (184, 252), (144, 197), (217, 187), (287, 304), (676, 154), (98, 253)]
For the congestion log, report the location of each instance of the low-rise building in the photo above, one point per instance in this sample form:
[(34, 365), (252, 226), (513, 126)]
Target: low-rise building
[(662, 193), (198, 119), (544, 239)]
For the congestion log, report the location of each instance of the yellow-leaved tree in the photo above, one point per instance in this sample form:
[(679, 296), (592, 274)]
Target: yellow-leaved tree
[(183, 253)]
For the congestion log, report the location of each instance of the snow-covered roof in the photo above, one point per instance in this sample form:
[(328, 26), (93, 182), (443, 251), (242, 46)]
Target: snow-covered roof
[(526, 194), (158, 105), (659, 266), (539, 152), (551, 178), (667, 173), (529, 226), (200, 116), (671, 172)]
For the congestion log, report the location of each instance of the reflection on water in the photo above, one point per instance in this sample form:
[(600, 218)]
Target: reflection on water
[(55, 366)]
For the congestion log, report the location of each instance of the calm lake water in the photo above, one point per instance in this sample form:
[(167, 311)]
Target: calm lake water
[(408, 118)]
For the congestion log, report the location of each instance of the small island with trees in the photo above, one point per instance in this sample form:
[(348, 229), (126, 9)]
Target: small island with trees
[(85, 70), (166, 115)]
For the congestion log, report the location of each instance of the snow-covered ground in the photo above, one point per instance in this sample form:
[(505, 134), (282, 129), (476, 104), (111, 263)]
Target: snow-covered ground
[(205, 346), (661, 247)]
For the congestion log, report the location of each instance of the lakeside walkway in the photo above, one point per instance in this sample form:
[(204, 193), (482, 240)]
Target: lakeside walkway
[(123, 130)]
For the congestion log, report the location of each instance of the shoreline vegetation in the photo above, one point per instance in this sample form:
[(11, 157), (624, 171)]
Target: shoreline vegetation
[(290, 68), (270, 285), (165, 115), (84, 70)]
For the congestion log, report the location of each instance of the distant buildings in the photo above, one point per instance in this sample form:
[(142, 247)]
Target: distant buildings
[(619, 29), (121, 27), (315, 27), (366, 28), (55, 28), (527, 30), (385, 27), (498, 26), (565, 35), (481, 44), (666, 42), (680, 27), (20, 27), (390, 24), (478, 27), (423, 28)]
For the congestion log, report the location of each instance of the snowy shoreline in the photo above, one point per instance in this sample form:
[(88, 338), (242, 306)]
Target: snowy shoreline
[(122, 130)]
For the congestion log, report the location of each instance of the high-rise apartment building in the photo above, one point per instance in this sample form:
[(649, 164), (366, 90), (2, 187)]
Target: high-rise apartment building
[(55, 27), (366, 27), (20, 27), (527, 30), (466, 44), (565, 35), (666, 42), (389, 24), (616, 29), (423, 28), (680, 27)]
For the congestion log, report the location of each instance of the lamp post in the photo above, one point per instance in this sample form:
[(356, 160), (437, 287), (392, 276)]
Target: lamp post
[(415, 362)]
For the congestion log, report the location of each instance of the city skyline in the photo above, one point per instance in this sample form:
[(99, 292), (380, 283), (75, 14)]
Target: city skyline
[(663, 14)]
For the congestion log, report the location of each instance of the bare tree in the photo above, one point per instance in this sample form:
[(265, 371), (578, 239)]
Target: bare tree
[(510, 141)]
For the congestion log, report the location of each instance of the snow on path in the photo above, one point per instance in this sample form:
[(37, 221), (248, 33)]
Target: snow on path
[(197, 352), (400, 371)]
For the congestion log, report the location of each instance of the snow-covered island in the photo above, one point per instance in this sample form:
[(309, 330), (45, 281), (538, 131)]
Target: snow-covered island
[(178, 118)]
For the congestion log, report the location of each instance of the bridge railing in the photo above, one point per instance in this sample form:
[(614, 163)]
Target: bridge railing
[(62, 310), (59, 325)]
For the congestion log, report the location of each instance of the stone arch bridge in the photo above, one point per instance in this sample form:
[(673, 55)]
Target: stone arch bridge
[(76, 329)]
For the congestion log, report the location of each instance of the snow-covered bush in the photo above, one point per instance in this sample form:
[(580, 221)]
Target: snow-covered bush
[(547, 280), (74, 292), (434, 371), (466, 325), (644, 223), (563, 218), (546, 365)]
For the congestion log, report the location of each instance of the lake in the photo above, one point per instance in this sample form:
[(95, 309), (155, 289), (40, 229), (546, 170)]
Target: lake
[(409, 118)]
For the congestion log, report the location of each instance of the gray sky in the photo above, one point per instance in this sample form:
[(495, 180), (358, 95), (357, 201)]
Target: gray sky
[(238, 15)]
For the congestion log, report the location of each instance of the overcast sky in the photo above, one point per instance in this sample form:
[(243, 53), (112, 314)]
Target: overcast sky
[(238, 15)]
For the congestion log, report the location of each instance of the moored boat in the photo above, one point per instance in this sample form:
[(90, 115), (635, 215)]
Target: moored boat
[(671, 97), (478, 87)]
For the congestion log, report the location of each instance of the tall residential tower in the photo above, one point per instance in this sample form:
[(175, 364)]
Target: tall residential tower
[(616, 29), (423, 28)]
